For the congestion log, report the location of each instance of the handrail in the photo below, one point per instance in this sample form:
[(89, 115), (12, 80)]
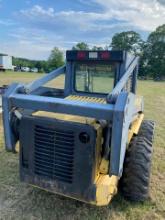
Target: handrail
[(120, 85), (39, 82)]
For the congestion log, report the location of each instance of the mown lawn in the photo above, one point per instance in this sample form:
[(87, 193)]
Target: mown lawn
[(20, 201), (9, 77)]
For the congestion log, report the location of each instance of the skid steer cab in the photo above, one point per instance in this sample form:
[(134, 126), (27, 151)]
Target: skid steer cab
[(85, 139)]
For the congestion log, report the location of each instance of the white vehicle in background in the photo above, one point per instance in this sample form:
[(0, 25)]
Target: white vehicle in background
[(34, 70), (25, 69), (5, 62)]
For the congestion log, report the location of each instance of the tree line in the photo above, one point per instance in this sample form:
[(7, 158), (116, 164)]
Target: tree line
[(150, 51)]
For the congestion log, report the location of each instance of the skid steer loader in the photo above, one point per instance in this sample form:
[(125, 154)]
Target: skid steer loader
[(85, 140)]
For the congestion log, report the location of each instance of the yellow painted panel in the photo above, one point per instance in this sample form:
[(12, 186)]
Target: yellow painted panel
[(65, 117), (86, 99), (135, 126), (106, 188), (104, 166)]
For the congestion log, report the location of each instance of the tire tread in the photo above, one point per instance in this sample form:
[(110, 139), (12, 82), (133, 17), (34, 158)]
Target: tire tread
[(134, 183)]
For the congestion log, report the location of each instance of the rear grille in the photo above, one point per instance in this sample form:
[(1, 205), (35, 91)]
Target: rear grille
[(54, 153)]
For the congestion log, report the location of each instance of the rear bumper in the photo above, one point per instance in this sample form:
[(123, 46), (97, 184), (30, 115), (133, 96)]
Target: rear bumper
[(88, 196), (99, 194)]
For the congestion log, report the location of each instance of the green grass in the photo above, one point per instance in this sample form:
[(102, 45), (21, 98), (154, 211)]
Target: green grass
[(20, 201), (9, 77)]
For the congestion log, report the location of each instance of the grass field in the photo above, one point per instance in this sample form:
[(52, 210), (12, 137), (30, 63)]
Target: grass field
[(20, 201), (9, 77)]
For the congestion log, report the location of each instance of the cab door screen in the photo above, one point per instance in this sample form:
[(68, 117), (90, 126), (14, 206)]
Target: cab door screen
[(94, 78)]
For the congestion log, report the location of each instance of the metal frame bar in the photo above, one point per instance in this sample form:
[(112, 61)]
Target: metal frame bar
[(39, 82), (122, 118), (10, 139), (134, 80), (121, 83), (40, 103)]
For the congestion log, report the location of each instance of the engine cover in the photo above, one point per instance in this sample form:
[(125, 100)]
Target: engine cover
[(60, 156)]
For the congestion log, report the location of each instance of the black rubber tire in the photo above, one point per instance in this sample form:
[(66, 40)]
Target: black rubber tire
[(134, 183)]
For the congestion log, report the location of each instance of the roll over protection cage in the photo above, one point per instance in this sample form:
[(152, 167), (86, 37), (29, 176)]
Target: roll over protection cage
[(119, 110)]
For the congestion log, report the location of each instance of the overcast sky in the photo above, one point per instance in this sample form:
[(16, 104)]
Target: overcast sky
[(31, 28)]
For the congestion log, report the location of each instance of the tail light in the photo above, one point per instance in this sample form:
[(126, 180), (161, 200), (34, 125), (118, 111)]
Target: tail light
[(81, 55), (105, 55)]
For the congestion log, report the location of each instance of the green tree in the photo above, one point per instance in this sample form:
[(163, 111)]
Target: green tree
[(81, 46), (38, 65), (129, 41), (44, 66), (56, 59), (96, 48), (153, 59)]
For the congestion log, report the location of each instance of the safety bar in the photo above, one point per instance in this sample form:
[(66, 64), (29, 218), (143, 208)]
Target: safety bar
[(120, 85), (58, 105), (39, 82)]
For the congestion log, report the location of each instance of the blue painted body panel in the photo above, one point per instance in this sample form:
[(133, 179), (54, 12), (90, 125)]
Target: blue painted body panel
[(122, 117), (119, 113), (58, 105), (10, 139)]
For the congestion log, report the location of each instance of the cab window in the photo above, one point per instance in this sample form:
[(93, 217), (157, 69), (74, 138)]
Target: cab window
[(94, 78)]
